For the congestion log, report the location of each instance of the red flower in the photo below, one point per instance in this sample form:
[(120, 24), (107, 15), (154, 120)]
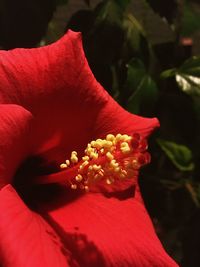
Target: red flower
[(51, 105)]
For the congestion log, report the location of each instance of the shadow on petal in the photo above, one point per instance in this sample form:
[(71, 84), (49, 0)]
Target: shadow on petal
[(84, 251)]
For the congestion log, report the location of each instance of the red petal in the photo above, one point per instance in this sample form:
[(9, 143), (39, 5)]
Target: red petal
[(57, 86), (114, 119), (26, 239), (70, 107), (103, 231), (14, 130)]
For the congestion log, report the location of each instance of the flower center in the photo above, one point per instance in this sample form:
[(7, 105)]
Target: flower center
[(117, 157)]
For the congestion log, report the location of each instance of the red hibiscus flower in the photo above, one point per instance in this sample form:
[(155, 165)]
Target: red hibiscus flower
[(51, 104)]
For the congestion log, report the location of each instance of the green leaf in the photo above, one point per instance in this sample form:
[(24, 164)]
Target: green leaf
[(189, 84), (135, 36), (143, 88), (123, 3), (190, 20), (180, 155), (168, 73), (157, 29), (109, 11), (135, 72), (134, 23), (188, 76), (191, 66)]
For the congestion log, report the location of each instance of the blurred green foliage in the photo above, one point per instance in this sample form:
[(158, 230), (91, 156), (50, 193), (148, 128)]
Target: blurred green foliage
[(190, 20), (180, 156), (142, 52)]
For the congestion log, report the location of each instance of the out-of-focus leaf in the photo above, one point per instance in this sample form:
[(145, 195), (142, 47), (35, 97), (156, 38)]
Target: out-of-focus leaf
[(166, 9), (135, 73), (134, 33), (143, 88), (191, 66), (157, 29), (123, 3), (189, 84), (136, 24), (180, 155), (105, 40), (190, 20), (108, 11), (168, 73), (188, 76)]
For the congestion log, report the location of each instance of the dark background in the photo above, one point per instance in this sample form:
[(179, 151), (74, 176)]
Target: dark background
[(146, 54)]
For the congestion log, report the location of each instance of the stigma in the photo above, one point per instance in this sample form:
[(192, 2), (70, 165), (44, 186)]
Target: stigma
[(117, 157)]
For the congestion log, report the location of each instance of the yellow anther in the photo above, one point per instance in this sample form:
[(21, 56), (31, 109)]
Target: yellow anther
[(109, 181), (99, 140), (90, 150), (67, 162), (102, 150), (73, 186), (82, 166), (124, 172), (93, 155), (108, 160), (126, 137), (101, 172), (110, 137), (88, 146), (96, 167), (99, 143), (79, 178), (125, 149), (113, 163), (124, 144), (109, 156), (74, 158), (108, 144), (93, 143), (63, 166), (118, 137), (85, 158), (90, 168)]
